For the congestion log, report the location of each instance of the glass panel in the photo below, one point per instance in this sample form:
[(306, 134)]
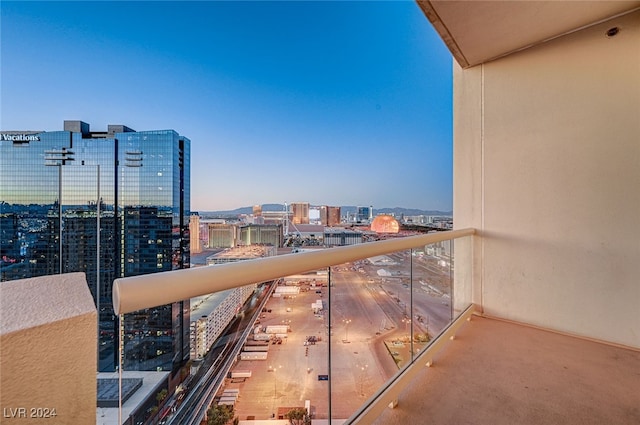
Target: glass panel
[(432, 281), (462, 274), (298, 346), (370, 316), (273, 355), (385, 311), (296, 373), (431, 288), (308, 340)]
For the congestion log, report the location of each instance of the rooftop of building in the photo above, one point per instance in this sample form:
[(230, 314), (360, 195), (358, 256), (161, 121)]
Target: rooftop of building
[(341, 230), (150, 382), (306, 228), (244, 252), (200, 258), (206, 304), (83, 128)]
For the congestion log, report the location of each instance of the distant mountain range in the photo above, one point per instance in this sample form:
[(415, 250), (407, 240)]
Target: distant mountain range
[(348, 209)]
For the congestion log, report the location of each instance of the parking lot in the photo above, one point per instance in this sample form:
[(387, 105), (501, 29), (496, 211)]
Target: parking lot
[(367, 317)]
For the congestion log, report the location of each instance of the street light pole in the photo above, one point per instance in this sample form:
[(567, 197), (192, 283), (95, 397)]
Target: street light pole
[(363, 370), (428, 327), (406, 321), (346, 331), (275, 387)]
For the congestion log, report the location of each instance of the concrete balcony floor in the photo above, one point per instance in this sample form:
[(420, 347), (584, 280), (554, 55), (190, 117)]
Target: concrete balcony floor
[(497, 372)]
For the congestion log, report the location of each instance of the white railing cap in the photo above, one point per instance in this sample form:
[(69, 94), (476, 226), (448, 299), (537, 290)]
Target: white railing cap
[(151, 290)]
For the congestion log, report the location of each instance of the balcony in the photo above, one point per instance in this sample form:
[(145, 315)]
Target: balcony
[(393, 303), (546, 169), (536, 375), (475, 369), (498, 372)]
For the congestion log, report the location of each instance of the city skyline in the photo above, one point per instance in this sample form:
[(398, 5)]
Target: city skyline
[(339, 103), (273, 206)]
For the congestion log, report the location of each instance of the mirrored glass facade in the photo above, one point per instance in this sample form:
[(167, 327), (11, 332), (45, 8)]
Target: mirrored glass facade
[(58, 188)]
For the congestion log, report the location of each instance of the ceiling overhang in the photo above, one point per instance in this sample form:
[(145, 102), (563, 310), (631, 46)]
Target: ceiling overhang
[(478, 31)]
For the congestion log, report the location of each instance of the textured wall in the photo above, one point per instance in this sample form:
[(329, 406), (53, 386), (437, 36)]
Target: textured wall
[(547, 166), (48, 349)]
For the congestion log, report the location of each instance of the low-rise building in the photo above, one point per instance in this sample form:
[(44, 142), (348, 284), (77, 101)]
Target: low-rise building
[(221, 235), (211, 314), (261, 234), (340, 237)]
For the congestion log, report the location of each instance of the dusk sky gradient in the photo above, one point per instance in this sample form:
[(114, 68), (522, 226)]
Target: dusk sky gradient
[(332, 103)]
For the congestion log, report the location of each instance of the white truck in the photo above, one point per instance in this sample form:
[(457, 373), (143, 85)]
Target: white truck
[(277, 329), (240, 374)]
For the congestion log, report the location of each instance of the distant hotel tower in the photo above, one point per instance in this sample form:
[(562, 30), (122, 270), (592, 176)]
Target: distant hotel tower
[(330, 216), (194, 229), (57, 188), (300, 212)]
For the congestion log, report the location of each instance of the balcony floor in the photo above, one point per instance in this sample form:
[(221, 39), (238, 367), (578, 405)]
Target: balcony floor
[(497, 372)]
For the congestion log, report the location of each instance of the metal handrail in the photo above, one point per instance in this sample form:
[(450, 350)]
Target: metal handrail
[(151, 290)]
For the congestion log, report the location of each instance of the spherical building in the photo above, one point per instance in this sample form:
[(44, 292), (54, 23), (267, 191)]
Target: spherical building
[(385, 224)]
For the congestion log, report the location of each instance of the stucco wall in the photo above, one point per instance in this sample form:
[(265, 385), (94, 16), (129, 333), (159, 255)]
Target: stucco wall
[(48, 349), (547, 167)]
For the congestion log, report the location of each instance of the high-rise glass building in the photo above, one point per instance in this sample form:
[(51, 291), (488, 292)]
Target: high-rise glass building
[(364, 213), (57, 188)]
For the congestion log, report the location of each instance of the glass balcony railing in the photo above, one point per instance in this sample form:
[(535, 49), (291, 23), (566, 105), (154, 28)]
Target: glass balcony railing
[(337, 332)]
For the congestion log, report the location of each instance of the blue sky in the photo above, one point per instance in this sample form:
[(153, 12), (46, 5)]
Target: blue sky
[(333, 103)]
